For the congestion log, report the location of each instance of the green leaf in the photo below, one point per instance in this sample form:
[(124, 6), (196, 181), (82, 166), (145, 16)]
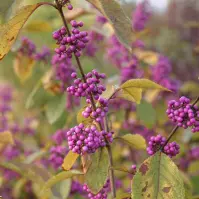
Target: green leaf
[(117, 18), (62, 189), (132, 89), (97, 173), (81, 119), (58, 178), (55, 108), (10, 30), (134, 140), (146, 113), (157, 178), (69, 160), (34, 156)]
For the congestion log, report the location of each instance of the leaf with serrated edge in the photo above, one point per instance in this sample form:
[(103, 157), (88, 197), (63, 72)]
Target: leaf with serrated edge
[(97, 173), (10, 30), (136, 141), (132, 89), (69, 160), (120, 22), (158, 177)]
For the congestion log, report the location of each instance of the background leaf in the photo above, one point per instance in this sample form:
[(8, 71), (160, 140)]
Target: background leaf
[(58, 178), (158, 177), (69, 160), (97, 173), (136, 141), (23, 66), (146, 113), (10, 30), (120, 22), (55, 108)]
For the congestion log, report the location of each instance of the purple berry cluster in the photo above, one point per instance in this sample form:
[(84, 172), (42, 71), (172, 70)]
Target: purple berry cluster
[(103, 194), (57, 154), (63, 69), (141, 16), (82, 139), (44, 55), (27, 48), (71, 43), (157, 142), (91, 86), (161, 73), (126, 62), (99, 113), (183, 113), (59, 136)]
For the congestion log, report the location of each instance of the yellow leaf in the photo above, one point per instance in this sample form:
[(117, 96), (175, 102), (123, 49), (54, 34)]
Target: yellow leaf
[(117, 18), (23, 66), (49, 83), (6, 138), (134, 140), (69, 160), (10, 30), (38, 26), (148, 57), (132, 89)]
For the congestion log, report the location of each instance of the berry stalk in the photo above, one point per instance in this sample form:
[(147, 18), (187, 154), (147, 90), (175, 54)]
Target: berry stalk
[(112, 178)]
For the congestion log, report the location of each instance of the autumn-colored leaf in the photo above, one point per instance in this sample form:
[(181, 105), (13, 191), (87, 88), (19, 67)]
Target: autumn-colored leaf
[(97, 172), (134, 140), (120, 22), (23, 66), (158, 177), (10, 30), (69, 160), (132, 89), (38, 26), (6, 138), (148, 57)]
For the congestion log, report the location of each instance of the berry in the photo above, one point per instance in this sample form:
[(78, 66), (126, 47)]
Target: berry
[(73, 43), (91, 86), (183, 113), (82, 139), (157, 142), (102, 194), (141, 16), (100, 111), (57, 154)]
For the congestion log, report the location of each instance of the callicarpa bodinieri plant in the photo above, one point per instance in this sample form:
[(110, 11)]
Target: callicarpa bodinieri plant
[(107, 118)]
